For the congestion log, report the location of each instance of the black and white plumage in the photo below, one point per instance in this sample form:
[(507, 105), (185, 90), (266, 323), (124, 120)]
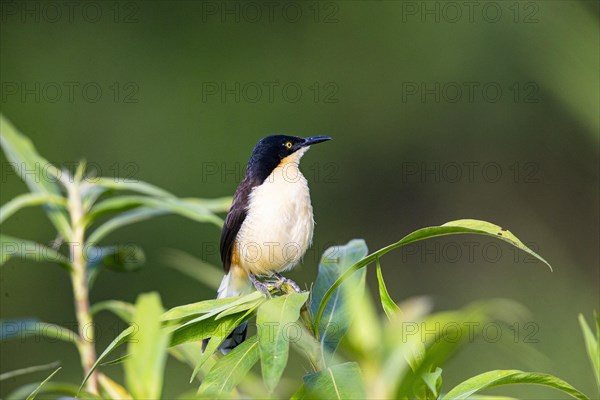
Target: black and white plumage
[(270, 223)]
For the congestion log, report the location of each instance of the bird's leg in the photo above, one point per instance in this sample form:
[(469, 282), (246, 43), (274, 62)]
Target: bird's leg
[(261, 286), (287, 281)]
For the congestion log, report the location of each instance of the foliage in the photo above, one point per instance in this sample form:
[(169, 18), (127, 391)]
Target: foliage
[(352, 351), (84, 211)]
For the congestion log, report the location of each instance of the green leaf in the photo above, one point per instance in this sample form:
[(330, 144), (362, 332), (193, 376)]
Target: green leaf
[(168, 205), (442, 334), (120, 258), (37, 390), (28, 370), (489, 229), (27, 250), (117, 360), (131, 185), (392, 311), (123, 203), (111, 389), (390, 308), (223, 329), (153, 207), (592, 344), (50, 390), (144, 368), (124, 219), (119, 340), (193, 267), (229, 371), (186, 330), (28, 200), (433, 380), (121, 309), (235, 309), (275, 320), (342, 381), (96, 186), (454, 227), (208, 324), (119, 204), (337, 311), (199, 330), (186, 353), (89, 194), (507, 377), (208, 307), (217, 205), (39, 174), (21, 328), (192, 310), (300, 394), (365, 333)]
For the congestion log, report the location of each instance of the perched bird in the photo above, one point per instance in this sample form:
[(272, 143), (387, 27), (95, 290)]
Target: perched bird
[(270, 224)]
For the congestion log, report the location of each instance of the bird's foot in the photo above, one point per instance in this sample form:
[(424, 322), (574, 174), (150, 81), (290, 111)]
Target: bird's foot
[(264, 288), (282, 280)]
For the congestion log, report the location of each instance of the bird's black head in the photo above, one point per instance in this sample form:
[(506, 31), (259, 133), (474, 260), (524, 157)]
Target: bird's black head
[(270, 151)]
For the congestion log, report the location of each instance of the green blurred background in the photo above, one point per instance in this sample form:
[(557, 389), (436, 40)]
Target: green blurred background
[(438, 111)]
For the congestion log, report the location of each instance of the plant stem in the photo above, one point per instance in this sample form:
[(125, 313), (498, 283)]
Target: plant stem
[(86, 340), (305, 317), (315, 358)]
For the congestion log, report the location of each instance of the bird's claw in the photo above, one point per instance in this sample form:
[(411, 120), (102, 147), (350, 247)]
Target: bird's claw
[(262, 287), (282, 280), (265, 287)]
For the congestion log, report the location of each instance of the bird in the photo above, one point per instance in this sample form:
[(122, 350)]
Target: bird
[(269, 225)]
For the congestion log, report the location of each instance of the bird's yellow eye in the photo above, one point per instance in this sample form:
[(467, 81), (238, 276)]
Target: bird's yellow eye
[(288, 145)]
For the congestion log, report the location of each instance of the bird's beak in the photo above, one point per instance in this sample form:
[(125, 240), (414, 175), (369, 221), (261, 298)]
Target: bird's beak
[(314, 140)]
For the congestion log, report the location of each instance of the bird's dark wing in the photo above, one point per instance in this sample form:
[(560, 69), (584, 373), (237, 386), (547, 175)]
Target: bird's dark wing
[(233, 221)]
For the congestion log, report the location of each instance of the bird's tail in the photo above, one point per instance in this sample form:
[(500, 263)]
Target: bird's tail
[(233, 284)]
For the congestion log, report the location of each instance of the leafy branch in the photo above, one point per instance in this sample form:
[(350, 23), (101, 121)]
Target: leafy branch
[(350, 350), (74, 202)]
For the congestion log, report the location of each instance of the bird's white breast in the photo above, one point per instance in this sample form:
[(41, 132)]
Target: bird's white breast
[(279, 225)]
